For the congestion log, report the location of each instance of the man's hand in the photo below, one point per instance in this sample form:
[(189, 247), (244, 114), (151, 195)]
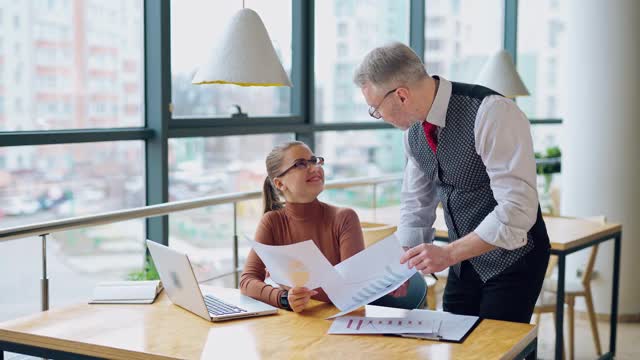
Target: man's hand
[(299, 298), (428, 258)]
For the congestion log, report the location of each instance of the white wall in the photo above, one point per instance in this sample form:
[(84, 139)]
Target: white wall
[(601, 150)]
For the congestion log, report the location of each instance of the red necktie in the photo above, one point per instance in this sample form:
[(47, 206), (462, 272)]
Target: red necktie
[(431, 132)]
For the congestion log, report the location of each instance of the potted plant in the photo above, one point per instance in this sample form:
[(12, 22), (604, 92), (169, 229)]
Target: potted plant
[(548, 164)]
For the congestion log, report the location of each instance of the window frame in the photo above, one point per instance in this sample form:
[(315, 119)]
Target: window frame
[(160, 125)]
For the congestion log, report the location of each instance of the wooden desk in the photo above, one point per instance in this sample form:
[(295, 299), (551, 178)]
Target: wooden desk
[(165, 331), (568, 235)]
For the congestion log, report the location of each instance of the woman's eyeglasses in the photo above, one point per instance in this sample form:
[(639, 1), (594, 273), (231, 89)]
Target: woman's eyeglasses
[(304, 164)]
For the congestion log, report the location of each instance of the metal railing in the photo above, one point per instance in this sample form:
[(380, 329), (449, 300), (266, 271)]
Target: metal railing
[(43, 229)]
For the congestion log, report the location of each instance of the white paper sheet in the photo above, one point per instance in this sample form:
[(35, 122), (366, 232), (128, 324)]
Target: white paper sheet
[(299, 264), (369, 275), (374, 325), (364, 277)]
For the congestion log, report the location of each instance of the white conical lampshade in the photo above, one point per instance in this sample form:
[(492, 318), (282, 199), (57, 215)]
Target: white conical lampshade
[(244, 56), (499, 74)]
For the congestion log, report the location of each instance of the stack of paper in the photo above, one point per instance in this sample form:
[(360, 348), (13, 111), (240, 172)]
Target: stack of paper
[(373, 325), (421, 324), (126, 292)]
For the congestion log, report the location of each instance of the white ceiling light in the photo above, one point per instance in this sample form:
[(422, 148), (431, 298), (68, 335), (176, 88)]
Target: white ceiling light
[(244, 56), (499, 74)]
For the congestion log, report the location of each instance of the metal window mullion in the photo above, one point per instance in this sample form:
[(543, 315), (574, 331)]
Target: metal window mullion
[(510, 40), (201, 122), (416, 26), (23, 138), (157, 59), (299, 129), (547, 121), (303, 74)]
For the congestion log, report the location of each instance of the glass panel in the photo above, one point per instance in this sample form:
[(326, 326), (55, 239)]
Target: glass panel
[(194, 24), (43, 183), (361, 153), (542, 56), (345, 31), (546, 144), (71, 64), (209, 166), (461, 35)]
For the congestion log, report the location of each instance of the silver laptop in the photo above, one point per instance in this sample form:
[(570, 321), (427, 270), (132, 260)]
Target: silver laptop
[(182, 287)]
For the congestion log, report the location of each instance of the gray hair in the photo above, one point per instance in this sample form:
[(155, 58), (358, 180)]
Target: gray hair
[(394, 63)]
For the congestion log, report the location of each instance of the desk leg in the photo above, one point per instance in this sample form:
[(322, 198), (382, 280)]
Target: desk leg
[(614, 293), (533, 355), (560, 307)]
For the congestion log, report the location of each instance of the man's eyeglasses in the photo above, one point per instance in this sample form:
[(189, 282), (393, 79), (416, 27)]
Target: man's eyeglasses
[(304, 164), (373, 111)]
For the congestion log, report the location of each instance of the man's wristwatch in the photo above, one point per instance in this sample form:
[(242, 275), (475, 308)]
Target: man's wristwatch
[(284, 300)]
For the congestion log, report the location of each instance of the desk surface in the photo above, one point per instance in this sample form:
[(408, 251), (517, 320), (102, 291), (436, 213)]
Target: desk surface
[(565, 233), (163, 330)]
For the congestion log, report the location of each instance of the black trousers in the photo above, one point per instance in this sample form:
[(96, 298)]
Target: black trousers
[(510, 295)]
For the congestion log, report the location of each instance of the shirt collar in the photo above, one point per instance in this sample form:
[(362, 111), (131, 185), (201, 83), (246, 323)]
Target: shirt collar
[(438, 112)]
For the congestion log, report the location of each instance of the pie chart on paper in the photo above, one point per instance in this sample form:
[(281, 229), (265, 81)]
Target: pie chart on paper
[(298, 272)]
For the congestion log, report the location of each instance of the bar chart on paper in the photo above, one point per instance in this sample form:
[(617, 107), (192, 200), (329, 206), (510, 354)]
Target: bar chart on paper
[(372, 288), (369, 325)]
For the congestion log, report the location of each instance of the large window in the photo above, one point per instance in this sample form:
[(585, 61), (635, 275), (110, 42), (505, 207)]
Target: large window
[(41, 183), (542, 59), (542, 56), (195, 27), (218, 165), (362, 153), (71, 65), (461, 35), (80, 65), (359, 153), (346, 31), (208, 166)]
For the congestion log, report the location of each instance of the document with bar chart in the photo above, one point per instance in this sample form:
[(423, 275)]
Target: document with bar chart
[(357, 281), (373, 325), (369, 275)]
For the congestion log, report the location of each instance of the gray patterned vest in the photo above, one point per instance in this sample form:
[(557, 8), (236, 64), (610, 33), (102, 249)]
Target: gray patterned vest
[(461, 178)]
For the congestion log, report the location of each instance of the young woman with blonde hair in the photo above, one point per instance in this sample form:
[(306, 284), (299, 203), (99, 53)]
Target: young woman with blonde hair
[(296, 174)]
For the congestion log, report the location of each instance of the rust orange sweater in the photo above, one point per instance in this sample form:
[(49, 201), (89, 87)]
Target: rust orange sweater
[(336, 232)]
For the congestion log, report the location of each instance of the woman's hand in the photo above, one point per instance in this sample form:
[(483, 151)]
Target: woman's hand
[(299, 298)]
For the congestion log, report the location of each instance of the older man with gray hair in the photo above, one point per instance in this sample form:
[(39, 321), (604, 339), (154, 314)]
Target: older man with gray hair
[(470, 149)]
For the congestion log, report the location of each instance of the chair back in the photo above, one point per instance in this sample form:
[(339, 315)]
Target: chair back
[(373, 232)]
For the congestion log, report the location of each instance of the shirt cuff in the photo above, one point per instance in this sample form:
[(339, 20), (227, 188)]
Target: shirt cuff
[(492, 231), (414, 236)]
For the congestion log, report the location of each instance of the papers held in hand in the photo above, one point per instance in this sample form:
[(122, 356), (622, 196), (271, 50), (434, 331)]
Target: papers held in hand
[(126, 292)]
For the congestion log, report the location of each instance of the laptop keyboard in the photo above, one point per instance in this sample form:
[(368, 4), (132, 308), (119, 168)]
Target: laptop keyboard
[(219, 307)]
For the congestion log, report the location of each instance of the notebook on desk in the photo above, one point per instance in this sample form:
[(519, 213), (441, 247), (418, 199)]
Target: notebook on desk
[(126, 292), (183, 289)]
